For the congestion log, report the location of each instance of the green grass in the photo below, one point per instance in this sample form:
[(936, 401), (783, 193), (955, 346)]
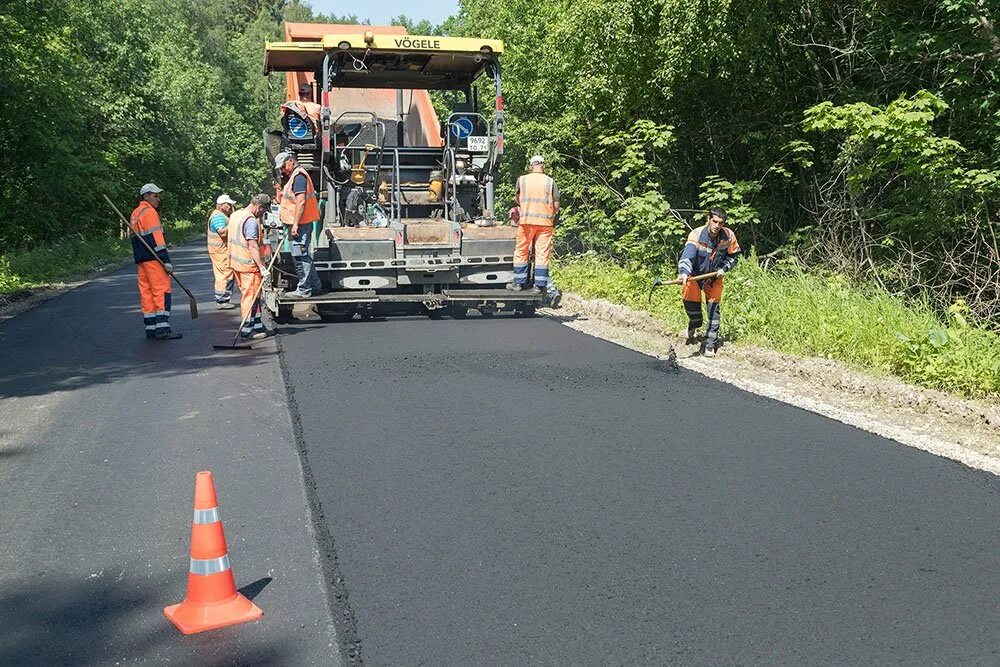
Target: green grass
[(73, 257), (791, 310)]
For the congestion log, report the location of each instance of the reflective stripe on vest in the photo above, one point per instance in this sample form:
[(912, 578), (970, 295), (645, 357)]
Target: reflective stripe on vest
[(538, 206), (286, 211), (240, 258), (215, 242)]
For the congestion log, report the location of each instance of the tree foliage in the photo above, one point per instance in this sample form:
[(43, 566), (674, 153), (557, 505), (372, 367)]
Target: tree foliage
[(101, 96), (862, 133)]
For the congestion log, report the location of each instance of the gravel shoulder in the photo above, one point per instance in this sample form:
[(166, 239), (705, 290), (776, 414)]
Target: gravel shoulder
[(963, 430)]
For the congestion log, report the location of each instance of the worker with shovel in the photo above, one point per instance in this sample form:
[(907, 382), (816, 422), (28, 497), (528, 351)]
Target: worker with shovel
[(711, 248), (152, 264), (247, 256)]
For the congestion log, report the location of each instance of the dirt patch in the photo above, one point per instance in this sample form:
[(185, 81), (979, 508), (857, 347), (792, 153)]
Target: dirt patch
[(964, 430)]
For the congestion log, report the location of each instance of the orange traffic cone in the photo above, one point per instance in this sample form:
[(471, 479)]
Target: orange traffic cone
[(212, 600)]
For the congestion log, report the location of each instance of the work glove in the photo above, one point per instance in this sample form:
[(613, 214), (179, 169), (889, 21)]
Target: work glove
[(169, 267), (683, 278), (266, 280), (720, 273)]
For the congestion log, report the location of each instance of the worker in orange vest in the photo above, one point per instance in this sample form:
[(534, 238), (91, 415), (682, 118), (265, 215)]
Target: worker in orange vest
[(306, 100), (218, 251), (154, 277), (248, 256), (299, 210), (709, 248), (536, 200)]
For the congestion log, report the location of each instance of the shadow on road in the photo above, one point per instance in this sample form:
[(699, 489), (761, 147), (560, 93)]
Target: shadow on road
[(94, 335), (254, 588), (106, 620)]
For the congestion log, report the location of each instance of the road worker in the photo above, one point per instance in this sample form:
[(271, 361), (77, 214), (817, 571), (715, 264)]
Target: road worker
[(536, 201), (306, 101), (154, 277), (298, 210), (248, 255), (709, 248), (218, 251)]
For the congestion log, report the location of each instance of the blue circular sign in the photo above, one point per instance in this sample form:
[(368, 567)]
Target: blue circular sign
[(462, 128), (298, 128)]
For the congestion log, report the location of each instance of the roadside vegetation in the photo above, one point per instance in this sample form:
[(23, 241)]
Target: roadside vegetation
[(73, 256), (808, 313)]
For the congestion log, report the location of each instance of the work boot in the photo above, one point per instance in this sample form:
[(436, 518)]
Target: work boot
[(555, 298), (709, 352), (515, 287), (170, 335), (260, 333), (225, 305), (692, 336), (296, 294)]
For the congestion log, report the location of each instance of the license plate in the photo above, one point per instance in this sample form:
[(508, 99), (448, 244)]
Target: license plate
[(479, 144)]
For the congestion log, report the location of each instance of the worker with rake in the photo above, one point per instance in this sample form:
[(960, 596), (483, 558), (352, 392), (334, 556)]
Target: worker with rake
[(709, 248), (247, 257)]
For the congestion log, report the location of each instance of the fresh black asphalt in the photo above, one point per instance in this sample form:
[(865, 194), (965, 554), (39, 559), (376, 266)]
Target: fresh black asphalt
[(512, 491), (498, 491)]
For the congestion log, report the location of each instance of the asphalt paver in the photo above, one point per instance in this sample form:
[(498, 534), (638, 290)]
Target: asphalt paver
[(101, 434), (512, 491)]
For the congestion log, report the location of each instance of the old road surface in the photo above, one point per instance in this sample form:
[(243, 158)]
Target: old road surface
[(462, 492)]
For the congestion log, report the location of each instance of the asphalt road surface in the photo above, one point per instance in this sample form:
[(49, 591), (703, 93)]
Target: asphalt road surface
[(461, 492), (513, 489), (101, 434)]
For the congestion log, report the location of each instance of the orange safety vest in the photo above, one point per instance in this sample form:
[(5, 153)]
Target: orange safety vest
[(217, 245), (538, 202), (145, 220), (286, 210), (240, 259)]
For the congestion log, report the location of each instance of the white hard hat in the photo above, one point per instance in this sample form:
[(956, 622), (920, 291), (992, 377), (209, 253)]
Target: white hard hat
[(281, 158), (537, 159), (149, 188), (224, 199)]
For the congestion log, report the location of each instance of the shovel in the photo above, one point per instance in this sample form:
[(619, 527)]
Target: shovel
[(676, 281), (192, 303)]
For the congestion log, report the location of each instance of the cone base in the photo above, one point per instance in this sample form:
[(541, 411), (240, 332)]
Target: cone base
[(192, 618)]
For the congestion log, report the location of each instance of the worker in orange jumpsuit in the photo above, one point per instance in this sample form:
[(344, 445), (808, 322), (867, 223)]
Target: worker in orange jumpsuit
[(218, 250), (247, 256), (154, 277), (536, 200), (709, 248)]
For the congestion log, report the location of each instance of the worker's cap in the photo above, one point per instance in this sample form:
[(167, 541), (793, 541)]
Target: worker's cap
[(224, 199), (149, 188), (537, 159), (281, 158), (305, 88)]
